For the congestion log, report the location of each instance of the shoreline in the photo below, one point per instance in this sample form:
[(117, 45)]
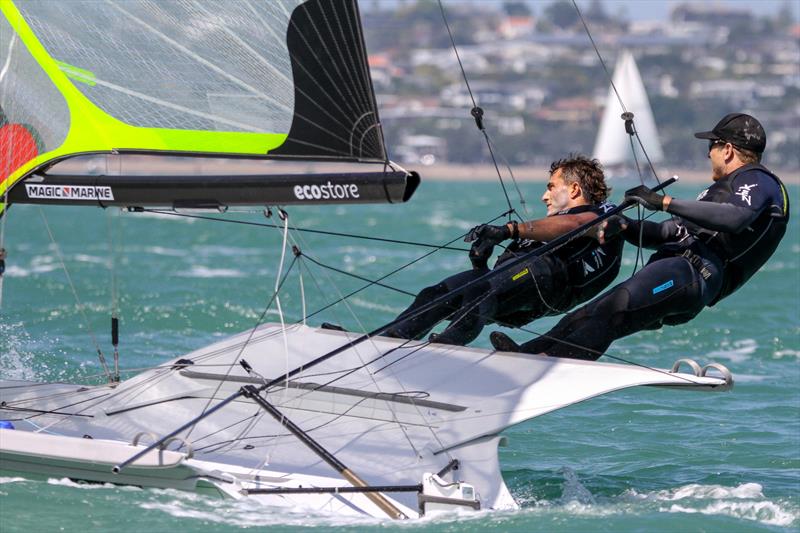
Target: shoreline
[(532, 174), (147, 164)]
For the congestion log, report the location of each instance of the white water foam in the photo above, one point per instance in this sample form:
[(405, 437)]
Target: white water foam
[(764, 512), (736, 351), (358, 302), (66, 482), (245, 512), (4, 480), (160, 250), (573, 489), (745, 501), (780, 354), (15, 362), (199, 271)]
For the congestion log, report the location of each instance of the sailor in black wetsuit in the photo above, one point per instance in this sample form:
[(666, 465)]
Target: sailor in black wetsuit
[(549, 285), (709, 249)]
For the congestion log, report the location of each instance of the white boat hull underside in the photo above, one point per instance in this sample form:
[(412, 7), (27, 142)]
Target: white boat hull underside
[(387, 409)]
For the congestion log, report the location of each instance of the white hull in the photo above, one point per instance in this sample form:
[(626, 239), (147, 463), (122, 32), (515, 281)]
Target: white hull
[(390, 412)]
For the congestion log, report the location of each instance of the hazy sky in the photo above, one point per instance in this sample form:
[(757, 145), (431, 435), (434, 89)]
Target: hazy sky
[(637, 9), (660, 9)]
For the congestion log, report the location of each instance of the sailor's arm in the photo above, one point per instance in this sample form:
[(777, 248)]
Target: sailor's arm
[(549, 228), (728, 217), (645, 233), (718, 217)]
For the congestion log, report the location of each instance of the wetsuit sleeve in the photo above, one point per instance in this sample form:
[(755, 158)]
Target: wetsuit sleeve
[(718, 217), (753, 192), (649, 234)]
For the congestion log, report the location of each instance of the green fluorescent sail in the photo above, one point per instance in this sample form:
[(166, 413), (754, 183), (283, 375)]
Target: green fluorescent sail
[(275, 79)]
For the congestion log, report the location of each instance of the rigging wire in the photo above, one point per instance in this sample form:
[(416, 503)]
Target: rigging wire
[(305, 230), (391, 273), (626, 115), (3, 217), (77, 298), (477, 114), (112, 267), (249, 337)]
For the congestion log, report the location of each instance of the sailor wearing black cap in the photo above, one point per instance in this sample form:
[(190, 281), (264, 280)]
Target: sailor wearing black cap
[(707, 250)]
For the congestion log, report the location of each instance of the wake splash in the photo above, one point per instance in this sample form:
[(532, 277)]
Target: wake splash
[(745, 501), (15, 361)]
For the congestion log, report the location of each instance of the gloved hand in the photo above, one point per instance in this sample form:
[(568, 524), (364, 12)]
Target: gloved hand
[(487, 232), (479, 254), (483, 239), (647, 198), (614, 225), (608, 229)]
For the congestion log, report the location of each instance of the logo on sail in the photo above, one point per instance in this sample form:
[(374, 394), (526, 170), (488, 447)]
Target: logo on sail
[(69, 192), (327, 191)]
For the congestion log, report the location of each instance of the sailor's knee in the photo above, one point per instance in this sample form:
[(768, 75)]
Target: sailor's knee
[(430, 293)]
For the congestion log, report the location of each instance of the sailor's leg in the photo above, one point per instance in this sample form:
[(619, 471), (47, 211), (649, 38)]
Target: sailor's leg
[(477, 307), (665, 291), (515, 293), (414, 324)]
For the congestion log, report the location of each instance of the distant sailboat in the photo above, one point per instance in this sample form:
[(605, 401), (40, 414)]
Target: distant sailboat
[(613, 145)]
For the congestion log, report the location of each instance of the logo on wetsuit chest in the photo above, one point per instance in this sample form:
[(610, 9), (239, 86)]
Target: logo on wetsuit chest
[(663, 287)]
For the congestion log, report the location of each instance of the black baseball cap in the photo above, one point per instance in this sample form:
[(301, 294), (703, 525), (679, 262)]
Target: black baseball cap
[(739, 129)]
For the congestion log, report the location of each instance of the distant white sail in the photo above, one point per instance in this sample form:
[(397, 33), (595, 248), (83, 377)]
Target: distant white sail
[(613, 146)]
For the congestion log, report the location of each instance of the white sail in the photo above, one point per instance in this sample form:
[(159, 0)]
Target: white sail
[(613, 144)]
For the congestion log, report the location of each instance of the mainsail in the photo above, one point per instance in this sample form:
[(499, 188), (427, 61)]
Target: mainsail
[(285, 79), (613, 144)]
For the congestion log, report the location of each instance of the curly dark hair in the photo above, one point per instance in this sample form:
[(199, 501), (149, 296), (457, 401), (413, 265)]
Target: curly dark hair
[(588, 173)]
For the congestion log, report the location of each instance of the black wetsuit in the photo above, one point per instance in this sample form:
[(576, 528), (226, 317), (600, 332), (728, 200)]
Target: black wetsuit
[(710, 248), (537, 287)]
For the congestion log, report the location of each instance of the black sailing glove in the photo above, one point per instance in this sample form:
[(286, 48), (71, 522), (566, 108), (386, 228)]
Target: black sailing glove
[(483, 239), (614, 225), (647, 198), (479, 255)]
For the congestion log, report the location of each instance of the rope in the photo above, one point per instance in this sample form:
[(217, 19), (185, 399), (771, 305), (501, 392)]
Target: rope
[(249, 337), (627, 116), (356, 276), (391, 273), (112, 267), (477, 114), (304, 230), (77, 299)]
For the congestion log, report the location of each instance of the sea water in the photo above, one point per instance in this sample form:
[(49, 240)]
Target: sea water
[(638, 460)]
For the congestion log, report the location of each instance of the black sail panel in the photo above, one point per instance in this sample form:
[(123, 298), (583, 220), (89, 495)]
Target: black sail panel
[(335, 111)]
